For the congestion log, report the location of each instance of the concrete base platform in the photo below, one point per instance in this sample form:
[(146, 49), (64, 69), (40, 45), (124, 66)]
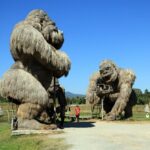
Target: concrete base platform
[(28, 132)]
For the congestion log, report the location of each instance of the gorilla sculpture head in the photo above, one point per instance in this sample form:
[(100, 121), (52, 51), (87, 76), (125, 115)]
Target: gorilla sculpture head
[(40, 20), (108, 71)]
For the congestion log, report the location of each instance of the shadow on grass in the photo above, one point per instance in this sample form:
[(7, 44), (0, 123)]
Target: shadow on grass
[(79, 124)]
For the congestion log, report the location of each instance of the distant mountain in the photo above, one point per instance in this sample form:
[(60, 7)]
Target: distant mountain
[(72, 95)]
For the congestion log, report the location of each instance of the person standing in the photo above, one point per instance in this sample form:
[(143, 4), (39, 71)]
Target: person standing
[(77, 113)]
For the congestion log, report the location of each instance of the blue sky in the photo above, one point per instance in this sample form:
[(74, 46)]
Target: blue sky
[(94, 30)]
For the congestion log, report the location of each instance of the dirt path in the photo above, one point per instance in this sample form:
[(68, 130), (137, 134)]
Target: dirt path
[(107, 136)]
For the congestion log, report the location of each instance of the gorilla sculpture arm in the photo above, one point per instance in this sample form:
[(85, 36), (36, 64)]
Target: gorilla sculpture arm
[(121, 99), (91, 96), (26, 40)]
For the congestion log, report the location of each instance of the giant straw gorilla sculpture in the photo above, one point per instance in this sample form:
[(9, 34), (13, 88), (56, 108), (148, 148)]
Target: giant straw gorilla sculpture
[(113, 85), (34, 46)]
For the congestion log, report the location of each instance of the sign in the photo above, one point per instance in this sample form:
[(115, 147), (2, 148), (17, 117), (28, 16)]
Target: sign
[(146, 109), (147, 115)]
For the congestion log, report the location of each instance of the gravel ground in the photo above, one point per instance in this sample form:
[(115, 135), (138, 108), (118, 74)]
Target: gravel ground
[(103, 135)]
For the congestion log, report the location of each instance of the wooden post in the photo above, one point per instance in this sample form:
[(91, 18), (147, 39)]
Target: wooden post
[(8, 117), (102, 109), (92, 106), (55, 99)]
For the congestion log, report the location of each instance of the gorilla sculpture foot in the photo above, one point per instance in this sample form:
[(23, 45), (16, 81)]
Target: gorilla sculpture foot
[(34, 125), (110, 117)]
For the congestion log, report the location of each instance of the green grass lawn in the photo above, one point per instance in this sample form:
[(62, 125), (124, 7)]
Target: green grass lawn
[(43, 142), (28, 142), (138, 112), (140, 116)]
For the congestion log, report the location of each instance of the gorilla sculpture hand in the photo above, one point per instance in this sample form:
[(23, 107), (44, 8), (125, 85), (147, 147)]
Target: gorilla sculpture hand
[(103, 89)]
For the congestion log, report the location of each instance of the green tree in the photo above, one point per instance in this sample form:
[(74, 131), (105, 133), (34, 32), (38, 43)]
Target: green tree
[(146, 91)]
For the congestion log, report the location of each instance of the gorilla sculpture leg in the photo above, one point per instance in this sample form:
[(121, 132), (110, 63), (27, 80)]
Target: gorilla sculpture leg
[(28, 113), (111, 109)]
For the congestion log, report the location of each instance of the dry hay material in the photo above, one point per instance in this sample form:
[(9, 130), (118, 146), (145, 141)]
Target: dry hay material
[(41, 21), (29, 110), (91, 96), (127, 76), (34, 47), (108, 67), (23, 87), (28, 41), (105, 62), (121, 97), (35, 36)]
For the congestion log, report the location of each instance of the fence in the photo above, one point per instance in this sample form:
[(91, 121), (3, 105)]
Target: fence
[(7, 115), (138, 112), (8, 111)]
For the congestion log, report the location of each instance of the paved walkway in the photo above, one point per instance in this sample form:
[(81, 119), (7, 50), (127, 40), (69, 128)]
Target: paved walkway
[(107, 135)]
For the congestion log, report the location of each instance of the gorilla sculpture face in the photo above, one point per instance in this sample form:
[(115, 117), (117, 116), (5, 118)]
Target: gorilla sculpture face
[(108, 71), (53, 36), (40, 20)]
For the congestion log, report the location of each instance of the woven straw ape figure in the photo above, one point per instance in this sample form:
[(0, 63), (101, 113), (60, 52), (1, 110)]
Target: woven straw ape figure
[(114, 86), (34, 46)]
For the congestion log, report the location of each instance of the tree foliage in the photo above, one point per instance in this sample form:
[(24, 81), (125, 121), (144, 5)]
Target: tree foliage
[(142, 97), (3, 100), (76, 100)]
